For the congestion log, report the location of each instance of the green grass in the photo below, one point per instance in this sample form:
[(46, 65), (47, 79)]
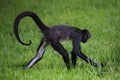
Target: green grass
[(100, 17)]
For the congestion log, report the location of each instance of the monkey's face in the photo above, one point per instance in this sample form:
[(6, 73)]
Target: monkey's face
[(86, 35), (84, 39)]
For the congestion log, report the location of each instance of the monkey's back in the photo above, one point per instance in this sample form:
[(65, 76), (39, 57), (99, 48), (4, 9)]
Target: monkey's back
[(61, 32)]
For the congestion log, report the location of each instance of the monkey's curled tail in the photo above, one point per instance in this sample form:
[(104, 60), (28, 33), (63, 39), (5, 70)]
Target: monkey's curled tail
[(40, 24)]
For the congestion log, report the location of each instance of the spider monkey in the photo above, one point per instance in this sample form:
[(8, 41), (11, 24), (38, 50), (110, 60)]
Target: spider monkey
[(53, 36)]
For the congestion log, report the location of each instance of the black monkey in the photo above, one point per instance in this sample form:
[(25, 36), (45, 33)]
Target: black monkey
[(53, 36)]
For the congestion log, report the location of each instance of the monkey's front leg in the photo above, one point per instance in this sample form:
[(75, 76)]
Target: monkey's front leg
[(73, 58), (77, 50), (40, 51)]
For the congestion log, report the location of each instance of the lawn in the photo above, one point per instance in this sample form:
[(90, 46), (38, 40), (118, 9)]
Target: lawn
[(100, 17)]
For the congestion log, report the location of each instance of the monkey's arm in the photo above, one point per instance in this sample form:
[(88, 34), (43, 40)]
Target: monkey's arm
[(77, 50), (92, 62), (87, 59), (73, 58)]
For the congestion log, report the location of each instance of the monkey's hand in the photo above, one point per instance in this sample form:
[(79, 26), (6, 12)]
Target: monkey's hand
[(100, 65)]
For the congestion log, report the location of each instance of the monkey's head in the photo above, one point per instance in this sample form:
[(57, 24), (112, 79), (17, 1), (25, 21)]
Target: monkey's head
[(86, 35)]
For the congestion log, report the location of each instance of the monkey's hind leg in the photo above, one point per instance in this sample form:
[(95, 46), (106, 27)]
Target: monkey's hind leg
[(38, 56), (60, 49)]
